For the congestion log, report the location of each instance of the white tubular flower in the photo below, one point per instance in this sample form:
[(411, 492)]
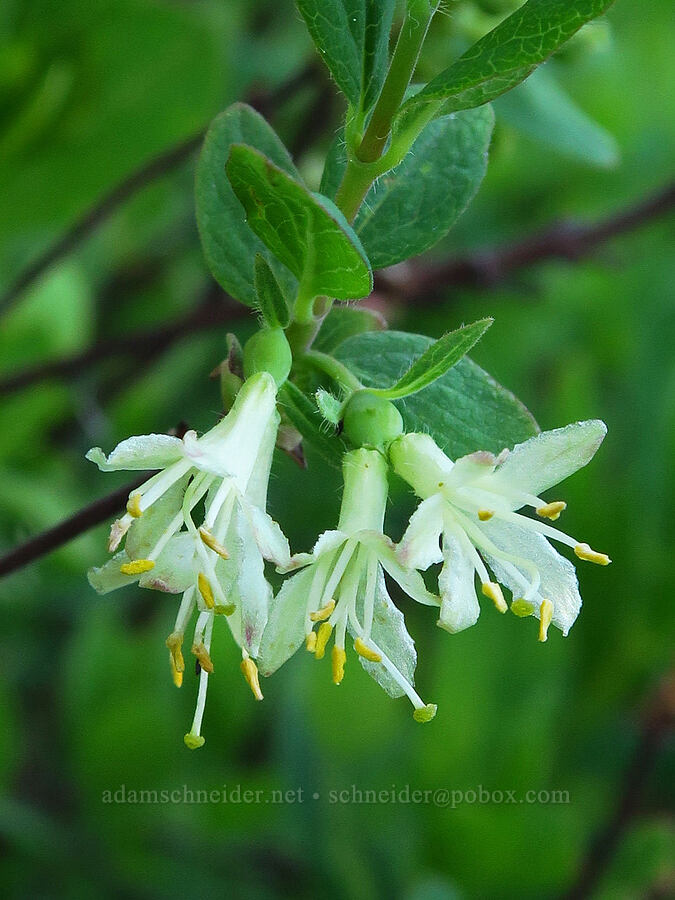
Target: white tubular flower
[(342, 589), (468, 519), (218, 565)]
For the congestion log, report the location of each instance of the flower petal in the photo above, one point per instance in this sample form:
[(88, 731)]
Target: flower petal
[(558, 576), (108, 577), (391, 636), (271, 540), (409, 580), (145, 451), (285, 629), (550, 457), (459, 604), (420, 546), (145, 531), (174, 569)]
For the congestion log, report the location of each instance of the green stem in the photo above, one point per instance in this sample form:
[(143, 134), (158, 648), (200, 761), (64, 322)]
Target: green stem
[(332, 367), (419, 14)]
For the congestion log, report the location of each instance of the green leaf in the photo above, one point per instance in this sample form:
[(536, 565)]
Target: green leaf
[(305, 231), (304, 415), (230, 247), (343, 322), (414, 205), (271, 301), (542, 110), (507, 54), (464, 410), (353, 39), (442, 355)]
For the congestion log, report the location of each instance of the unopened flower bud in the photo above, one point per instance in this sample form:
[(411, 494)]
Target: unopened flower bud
[(371, 421), (268, 351)]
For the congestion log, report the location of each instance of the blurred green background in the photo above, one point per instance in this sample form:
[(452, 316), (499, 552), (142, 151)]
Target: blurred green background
[(91, 90)]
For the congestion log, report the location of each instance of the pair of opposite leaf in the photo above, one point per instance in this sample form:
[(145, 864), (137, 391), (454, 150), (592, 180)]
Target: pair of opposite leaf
[(467, 519)]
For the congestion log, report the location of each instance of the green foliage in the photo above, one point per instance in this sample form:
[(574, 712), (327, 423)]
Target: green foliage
[(414, 205), (441, 356), (464, 410), (305, 231), (353, 39), (343, 322), (507, 55), (230, 247), (270, 300)]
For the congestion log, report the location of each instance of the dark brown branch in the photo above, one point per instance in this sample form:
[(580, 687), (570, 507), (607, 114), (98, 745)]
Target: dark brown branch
[(215, 310), (658, 724), (65, 531), (423, 283), (156, 168)]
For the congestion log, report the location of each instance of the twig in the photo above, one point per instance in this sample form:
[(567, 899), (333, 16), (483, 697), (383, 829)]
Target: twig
[(657, 726), (65, 531), (423, 283), (156, 168)]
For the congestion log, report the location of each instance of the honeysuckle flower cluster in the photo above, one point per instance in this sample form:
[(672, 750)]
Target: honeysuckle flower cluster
[(469, 519)]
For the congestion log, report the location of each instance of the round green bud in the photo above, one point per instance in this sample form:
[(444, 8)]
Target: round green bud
[(268, 351), (371, 421)]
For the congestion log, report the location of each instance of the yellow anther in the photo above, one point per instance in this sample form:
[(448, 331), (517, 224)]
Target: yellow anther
[(174, 642), (134, 506), (425, 713), (545, 616), (552, 510), (522, 608), (323, 613), (583, 551), (250, 671), (338, 659), (322, 636), (193, 741), (310, 641), (137, 566), (203, 657), (366, 652), (494, 592), (485, 514), (224, 609), (176, 673), (212, 543), (205, 591)]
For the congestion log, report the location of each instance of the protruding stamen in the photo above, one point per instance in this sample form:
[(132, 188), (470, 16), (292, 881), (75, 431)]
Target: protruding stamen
[(583, 551), (545, 616), (203, 658), (322, 637), (338, 659), (193, 741), (137, 566), (175, 642), (522, 608), (250, 672), (323, 613), (310, 641), (366, 652), (492, 590), (212, 543), (485, 514), (134, 506), (205, 591), (117, 531), (176, 674), (224, 609), (425, 713), (552, 510)]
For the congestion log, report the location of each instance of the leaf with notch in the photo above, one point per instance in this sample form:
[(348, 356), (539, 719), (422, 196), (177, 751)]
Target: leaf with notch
[(413, 206), (506, 55), (229, 244), (305, 231), (464, 410), (353, 39), (442, 355), (271, 301)]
